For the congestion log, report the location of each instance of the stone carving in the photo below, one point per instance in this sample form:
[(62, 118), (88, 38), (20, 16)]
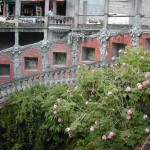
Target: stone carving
[(135, 32), (73, 40), (16, 62), (104, 36), (45, 45)]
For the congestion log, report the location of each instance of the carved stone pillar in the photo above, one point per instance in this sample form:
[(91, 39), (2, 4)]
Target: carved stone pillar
[(46, 21), (16, 62), (54, 7), (17, 13), (136, 28), (73, 41), (104, 35), (106, 12), (45, 56), (76, 19), (85, 3)]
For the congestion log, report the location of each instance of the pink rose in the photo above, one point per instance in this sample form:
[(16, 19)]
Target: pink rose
[(55, 106), (128, 117), (139, 86), (67, 130), (87, 102), (59, 119), (55, 112), (97, 122), (142, 57), (91, 128), (92, 71), (128, 89), (113, 58), (145, 117), (120, 51), (129, 112), (147, 74), (109, 93), (59, 100), (112, 134), (109, 137), (147, 130), (124, 64), (104, 137)]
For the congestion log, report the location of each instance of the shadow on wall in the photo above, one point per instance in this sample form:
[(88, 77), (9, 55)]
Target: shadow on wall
[(30, 37), (7, 39)]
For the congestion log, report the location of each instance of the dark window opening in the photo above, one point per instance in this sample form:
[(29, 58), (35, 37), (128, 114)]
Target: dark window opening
[(31, 63), (116, 47), (88, 54), (59, 58), (61, 8), (148, 43), (4, 69)]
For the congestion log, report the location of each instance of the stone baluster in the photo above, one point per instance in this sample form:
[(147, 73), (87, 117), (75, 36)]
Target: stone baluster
[(10, 87), (68, 76), (31, 80), (73, 76), (20, 85), (4, 90), (58, 77), (42, 79), (47, 79), (1, 96), (52, 78), (62, 76)]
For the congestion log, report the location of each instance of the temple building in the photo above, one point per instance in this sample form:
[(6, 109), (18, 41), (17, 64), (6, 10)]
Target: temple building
[(40, 35)]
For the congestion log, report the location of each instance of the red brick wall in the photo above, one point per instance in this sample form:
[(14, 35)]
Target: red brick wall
[(60, 48), (143, 40), (122, 39), (30, 53), (91, 43), (6, 60)]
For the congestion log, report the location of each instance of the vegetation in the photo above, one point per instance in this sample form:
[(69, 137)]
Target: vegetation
[(105, 111)]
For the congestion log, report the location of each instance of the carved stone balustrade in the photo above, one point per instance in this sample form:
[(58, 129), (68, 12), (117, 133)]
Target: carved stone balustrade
[(60, 20), (63, 75)]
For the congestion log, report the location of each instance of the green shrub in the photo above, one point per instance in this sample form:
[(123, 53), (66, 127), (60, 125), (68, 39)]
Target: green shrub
[(107, 110)]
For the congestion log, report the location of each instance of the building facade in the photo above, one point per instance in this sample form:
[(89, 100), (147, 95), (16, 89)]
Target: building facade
[(40, 35)]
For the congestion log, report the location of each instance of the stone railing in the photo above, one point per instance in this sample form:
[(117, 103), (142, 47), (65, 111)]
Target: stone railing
[(60, 20), (63, 75), (31, 21)]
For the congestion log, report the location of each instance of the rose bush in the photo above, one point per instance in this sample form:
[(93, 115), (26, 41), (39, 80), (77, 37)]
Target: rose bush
[(107, 110)]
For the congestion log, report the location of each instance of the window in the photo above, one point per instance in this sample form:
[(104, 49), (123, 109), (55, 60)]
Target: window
[(88, 54), (59, 58), (116, 47), (4, 69), (148, 43), (31, 63)]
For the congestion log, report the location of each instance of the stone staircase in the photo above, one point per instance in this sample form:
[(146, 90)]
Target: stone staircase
[(62, 75)]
